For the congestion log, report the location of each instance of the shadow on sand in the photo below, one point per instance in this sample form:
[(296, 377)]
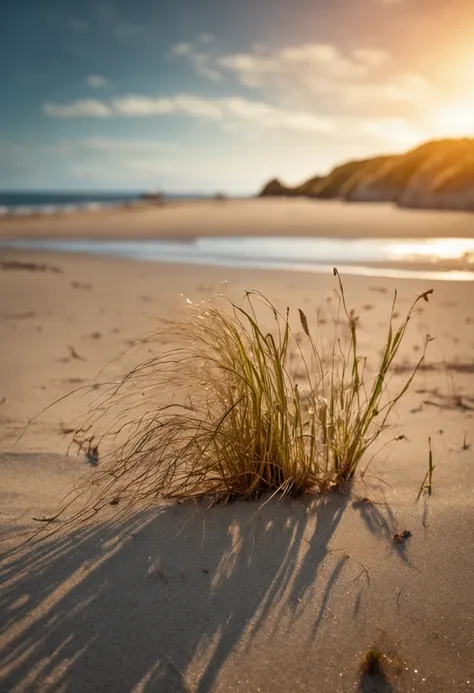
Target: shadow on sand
[(159, 601), (374, 683)]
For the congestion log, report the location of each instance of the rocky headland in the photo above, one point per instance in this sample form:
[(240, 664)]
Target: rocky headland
[(435, 175)]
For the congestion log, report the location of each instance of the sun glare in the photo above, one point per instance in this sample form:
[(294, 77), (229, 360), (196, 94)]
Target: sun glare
[(456, 119), (434, 250)]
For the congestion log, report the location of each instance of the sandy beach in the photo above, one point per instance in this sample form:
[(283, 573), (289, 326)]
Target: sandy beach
[(284, 597), (244, 217)]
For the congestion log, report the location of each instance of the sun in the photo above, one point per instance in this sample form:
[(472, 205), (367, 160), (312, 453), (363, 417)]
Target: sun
[(456, 119)]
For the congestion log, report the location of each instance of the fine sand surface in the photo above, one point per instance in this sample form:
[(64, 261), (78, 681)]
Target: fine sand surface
[(284, 597), (260, 217)]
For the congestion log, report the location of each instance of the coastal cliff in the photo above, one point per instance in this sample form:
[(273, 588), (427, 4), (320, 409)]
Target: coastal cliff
[(274, 188), (437, 174)]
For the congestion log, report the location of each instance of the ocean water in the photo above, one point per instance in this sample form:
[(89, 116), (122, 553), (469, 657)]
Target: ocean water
[(429, 258), (28, 202)]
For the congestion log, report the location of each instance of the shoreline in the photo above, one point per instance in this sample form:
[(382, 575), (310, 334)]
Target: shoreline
[(444, 271)]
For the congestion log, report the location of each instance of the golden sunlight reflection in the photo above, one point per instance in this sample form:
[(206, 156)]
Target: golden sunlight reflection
[(434, 250)]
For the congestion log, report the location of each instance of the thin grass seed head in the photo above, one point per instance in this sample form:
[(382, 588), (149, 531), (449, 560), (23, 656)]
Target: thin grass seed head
[(304, 322)]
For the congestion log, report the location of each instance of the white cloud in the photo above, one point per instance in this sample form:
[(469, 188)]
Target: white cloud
[(200, 60), (230, 113), (312, 68), (86, 108), (141, 106), (320, 57), (394, 130), (96, 81), (252, 68), (371, 56), (319, 69), (198, 107), (120, 146), (183, 49), (312, 64), (203, 69), (181, 104), (224, 110), (408, 89), (267, 116), (305, 73)]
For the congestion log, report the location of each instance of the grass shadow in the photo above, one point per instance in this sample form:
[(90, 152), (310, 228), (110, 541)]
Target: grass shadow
[(159, 601), (381, 522), (374, 683)]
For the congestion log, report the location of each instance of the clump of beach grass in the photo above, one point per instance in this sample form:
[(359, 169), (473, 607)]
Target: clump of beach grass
[(219, 410)]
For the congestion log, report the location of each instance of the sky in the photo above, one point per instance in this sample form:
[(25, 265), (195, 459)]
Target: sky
[(219, 95)]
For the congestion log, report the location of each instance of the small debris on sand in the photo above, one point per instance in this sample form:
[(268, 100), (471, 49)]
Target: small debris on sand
[(401, 537), (46, 518), (28, 266), (75, 355), (19, 316), (92, 455), (80, 285), (66, 430)]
